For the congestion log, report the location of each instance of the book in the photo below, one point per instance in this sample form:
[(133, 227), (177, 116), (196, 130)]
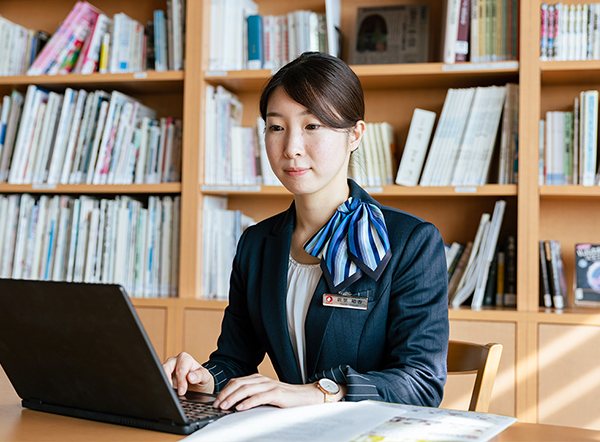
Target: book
[(460, 269), (545, 292), (489, 251), (391, 34), (589, 134), (552, 253), (461, 47), (416, 146), (450, 26), (510, 271), (587, 274), (255, 42)]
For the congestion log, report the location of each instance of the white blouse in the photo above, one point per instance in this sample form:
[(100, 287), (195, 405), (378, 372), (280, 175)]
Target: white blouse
[(302, 282)]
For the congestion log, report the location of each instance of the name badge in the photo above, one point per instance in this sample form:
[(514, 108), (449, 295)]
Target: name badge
[(345, 301)]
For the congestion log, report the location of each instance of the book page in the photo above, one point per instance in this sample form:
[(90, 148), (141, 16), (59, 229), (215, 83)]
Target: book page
[(353, 422)]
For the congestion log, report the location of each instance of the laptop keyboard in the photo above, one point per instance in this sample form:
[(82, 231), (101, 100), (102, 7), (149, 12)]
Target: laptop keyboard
[(196, 411)]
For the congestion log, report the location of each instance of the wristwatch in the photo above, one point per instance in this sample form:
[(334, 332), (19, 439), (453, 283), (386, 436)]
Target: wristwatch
[(328, 387)]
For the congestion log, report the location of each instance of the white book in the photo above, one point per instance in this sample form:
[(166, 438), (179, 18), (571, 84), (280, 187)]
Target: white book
[(49, 235), (47, 137), (450, 33), (62, 136), (30, 241), (169, 141), (451, 254), (96, 267), (386, 131), (117, 101), (140, 253), (442, 132), (4, 220), (155, 281), (57, 268), (589, 134), (29, 164), (143, 151), (85, 130), (110, 241), (121, 249), (25, 209), (76, 128), (175, 250), (88, 175), (165, 247), (37, 255), (381, 164), (33, 100), (415, 149), (4, 120), (150, 251), (469, 280), (488, 254), (10, 235), (16, 107), (91, 59), (372, 160), (120, 140), (154, 147), (87, 206), (476, 149), (92, 243), (73, 240)]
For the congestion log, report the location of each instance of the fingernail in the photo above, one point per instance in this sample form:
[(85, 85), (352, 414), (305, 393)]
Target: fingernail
[(240, 407), (224, 405), (192, 377), (216, 403)]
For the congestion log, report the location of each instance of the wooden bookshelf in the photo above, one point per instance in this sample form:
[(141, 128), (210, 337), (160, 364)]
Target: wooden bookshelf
[(533, 373)]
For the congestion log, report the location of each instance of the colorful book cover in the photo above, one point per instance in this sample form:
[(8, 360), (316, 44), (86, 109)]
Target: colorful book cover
[(587, 274)]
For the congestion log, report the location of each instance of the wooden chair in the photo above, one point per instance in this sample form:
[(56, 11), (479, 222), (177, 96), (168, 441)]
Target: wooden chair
[(468, 358)]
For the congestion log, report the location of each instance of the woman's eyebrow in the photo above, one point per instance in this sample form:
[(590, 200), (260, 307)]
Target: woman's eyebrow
[(277, 114)]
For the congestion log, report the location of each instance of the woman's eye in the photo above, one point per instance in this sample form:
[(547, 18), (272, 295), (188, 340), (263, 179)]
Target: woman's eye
[(275, 128), (312, 126)]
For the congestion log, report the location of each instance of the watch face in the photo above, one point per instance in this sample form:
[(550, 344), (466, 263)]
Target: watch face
[(329, 386)]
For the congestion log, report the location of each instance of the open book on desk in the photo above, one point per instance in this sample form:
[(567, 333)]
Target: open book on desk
[(365, 421)]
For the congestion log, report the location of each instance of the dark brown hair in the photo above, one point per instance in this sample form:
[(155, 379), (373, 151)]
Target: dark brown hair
[(323, 84)]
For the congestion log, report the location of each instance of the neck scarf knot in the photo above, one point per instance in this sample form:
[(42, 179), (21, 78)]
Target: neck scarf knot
[(354, 240)]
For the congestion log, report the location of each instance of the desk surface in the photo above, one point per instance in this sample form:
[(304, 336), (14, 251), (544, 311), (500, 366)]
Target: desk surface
[(18, 424)]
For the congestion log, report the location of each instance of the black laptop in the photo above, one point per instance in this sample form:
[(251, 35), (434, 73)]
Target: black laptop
[(80, 350)]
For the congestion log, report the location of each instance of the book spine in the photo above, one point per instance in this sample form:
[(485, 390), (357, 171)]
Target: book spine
[(416, 146), (545, 293), (462, 40), (450, 30), (590, 137), (255, 43), (544, 32), (510, 272)]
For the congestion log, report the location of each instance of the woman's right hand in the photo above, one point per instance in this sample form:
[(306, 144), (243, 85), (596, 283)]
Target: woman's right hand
[(185, 373)]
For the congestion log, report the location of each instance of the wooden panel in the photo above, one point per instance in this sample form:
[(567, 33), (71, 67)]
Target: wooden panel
[(459, 387), (154, 320), (569, 375)]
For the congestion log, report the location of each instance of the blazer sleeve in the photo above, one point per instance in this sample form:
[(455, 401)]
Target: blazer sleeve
[(238, 349), (417, 331)]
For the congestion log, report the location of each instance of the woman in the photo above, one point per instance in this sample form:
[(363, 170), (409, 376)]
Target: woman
[(347, 297)]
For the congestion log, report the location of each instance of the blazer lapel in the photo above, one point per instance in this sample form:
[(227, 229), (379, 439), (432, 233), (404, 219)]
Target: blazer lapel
[(315, 326), (273, 297)]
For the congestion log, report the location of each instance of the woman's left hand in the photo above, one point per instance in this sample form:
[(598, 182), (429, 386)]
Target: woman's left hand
[(254, 390)]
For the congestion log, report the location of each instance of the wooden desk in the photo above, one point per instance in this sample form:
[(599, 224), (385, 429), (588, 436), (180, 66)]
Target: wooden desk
[(18, 424)]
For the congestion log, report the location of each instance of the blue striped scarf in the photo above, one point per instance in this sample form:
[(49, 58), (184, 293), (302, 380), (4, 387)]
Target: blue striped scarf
[(354, 240)]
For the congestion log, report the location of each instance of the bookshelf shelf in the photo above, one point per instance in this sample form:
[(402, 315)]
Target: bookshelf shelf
[(107, 189), (146, 81), (569, 72), (569, 191), (386, 76)]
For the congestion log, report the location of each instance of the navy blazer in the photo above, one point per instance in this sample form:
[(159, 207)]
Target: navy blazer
[(394, 351)]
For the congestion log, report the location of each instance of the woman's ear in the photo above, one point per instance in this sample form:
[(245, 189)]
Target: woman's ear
[(356, 134)]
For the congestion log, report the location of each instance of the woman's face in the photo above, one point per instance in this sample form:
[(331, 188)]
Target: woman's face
[(305, 155)]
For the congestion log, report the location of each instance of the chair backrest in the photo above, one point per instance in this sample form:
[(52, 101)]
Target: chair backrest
[(468, 358)]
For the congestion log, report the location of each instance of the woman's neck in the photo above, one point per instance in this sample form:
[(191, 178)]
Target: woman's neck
[(312, 213)]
